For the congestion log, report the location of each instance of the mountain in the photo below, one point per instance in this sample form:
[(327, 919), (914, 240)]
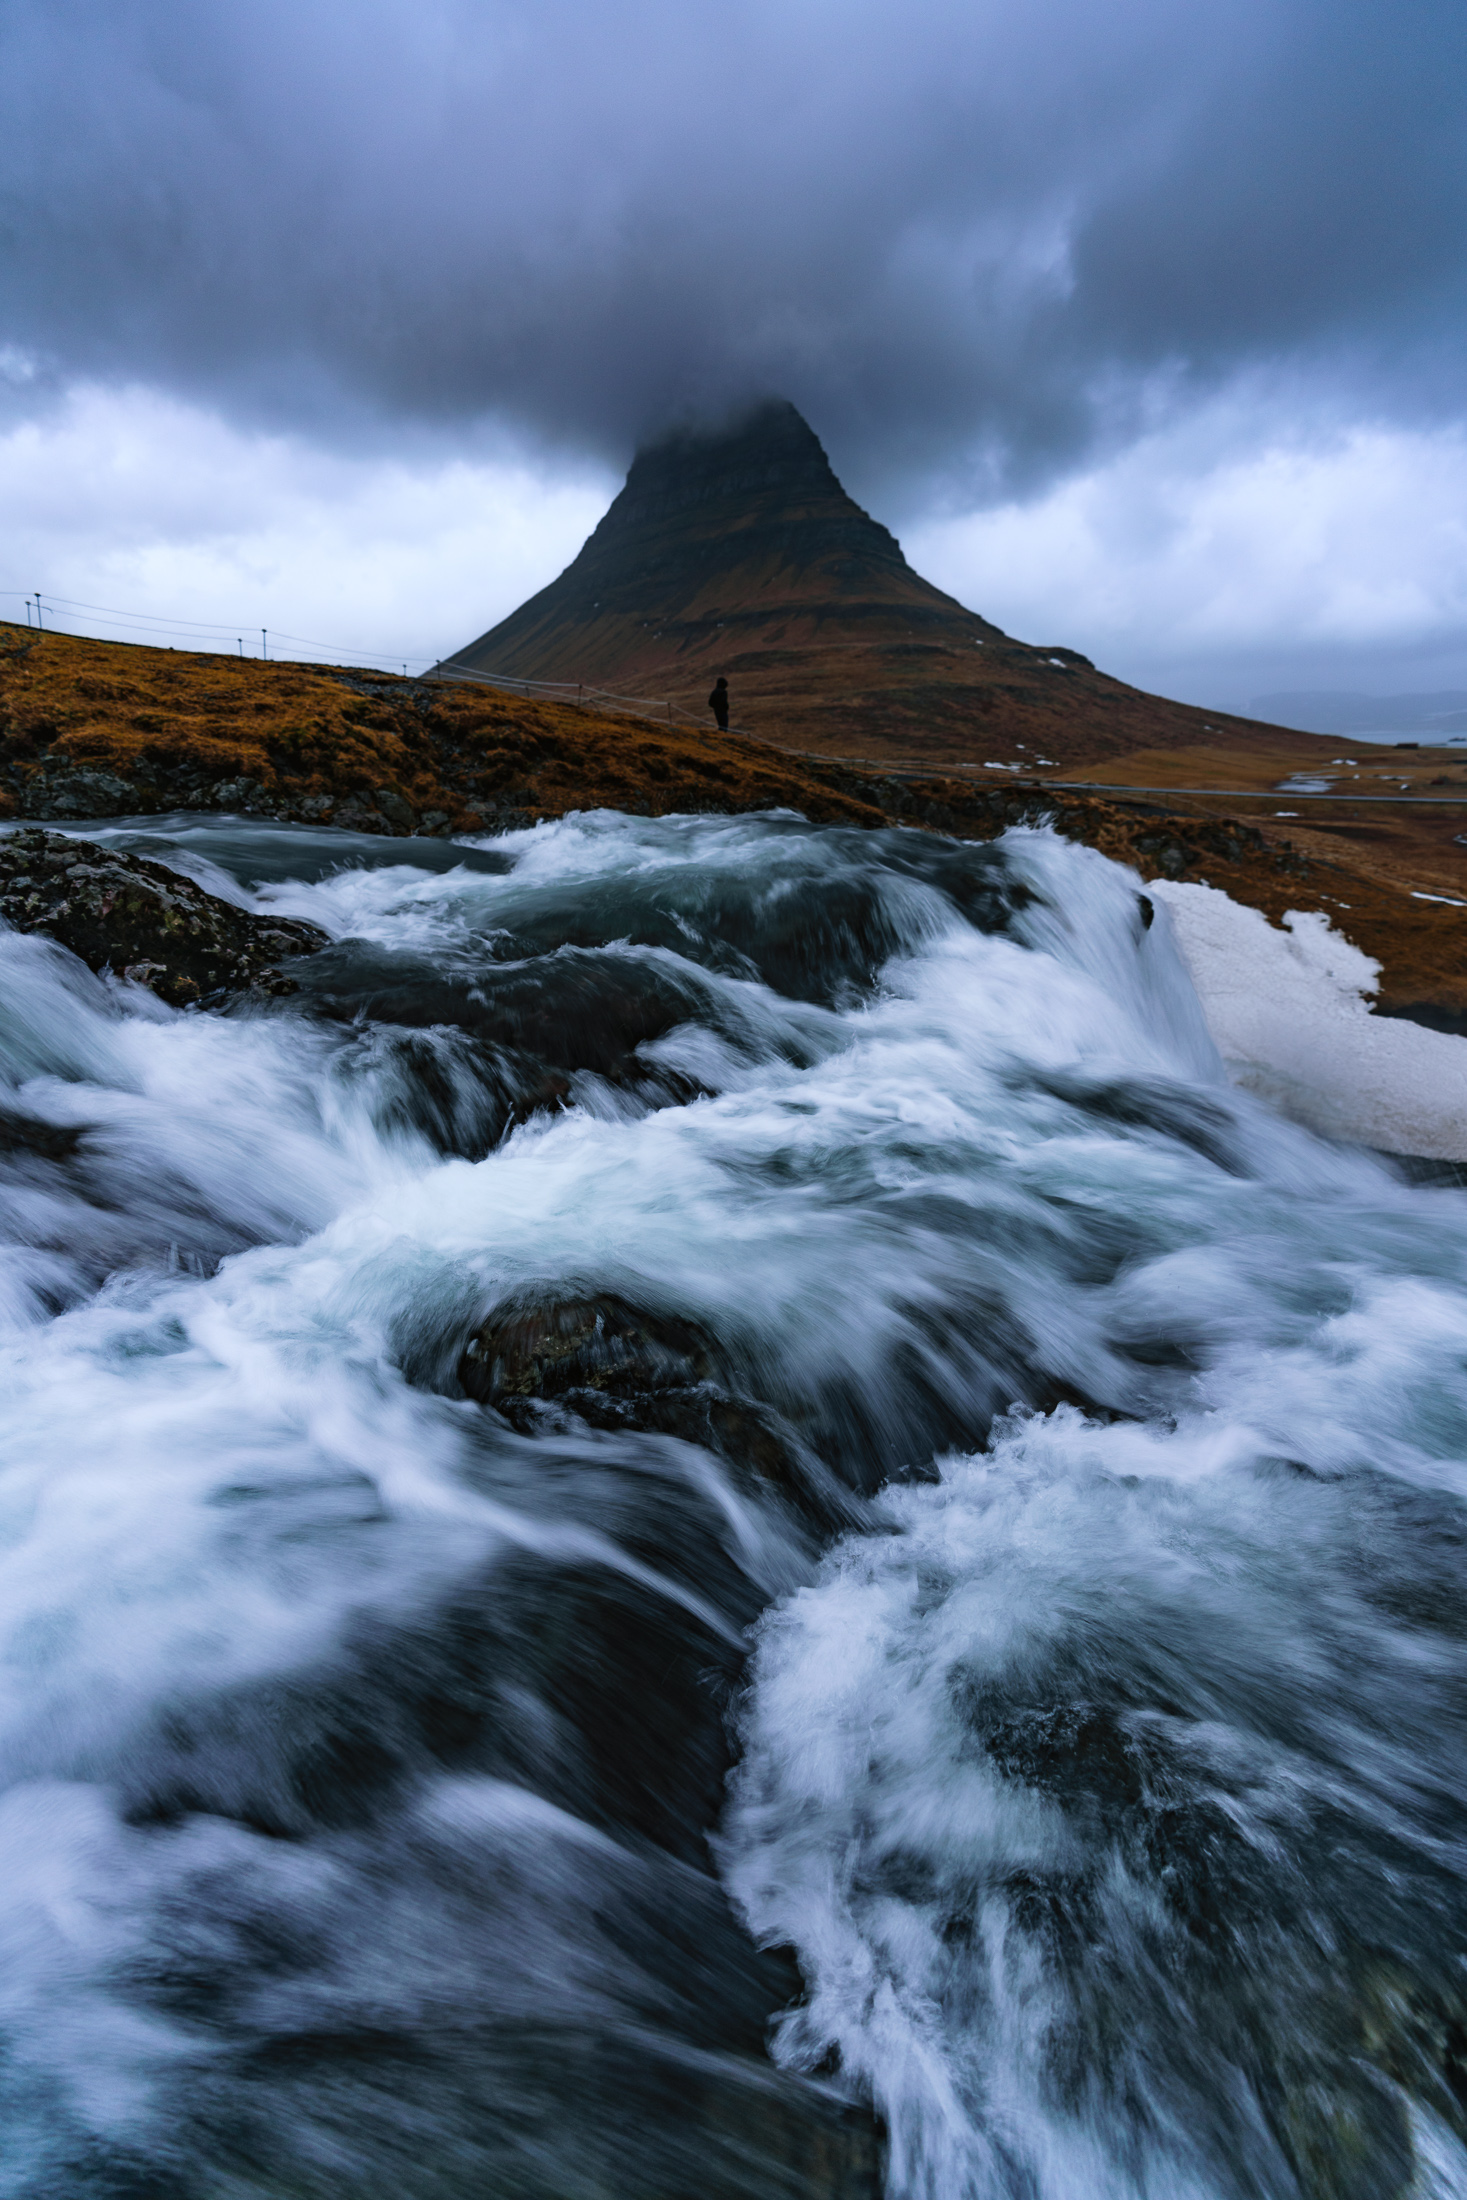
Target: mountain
[(738, 551)]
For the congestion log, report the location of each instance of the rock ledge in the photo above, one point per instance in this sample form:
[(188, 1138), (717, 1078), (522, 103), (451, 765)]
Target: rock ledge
[(139, 920)]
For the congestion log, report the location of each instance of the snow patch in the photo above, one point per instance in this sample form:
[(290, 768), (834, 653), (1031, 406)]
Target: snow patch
[(1288, 1011)]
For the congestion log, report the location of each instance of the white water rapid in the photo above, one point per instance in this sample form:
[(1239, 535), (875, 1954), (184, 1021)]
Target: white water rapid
[(367, 1826)]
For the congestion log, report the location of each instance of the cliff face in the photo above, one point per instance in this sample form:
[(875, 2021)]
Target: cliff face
[(739, 552)]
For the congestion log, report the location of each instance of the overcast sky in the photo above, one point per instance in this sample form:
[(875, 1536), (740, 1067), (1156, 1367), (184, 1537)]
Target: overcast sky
[(1142, 323)]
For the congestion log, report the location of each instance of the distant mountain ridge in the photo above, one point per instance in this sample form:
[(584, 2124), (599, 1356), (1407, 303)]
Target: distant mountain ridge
[(737, 551)]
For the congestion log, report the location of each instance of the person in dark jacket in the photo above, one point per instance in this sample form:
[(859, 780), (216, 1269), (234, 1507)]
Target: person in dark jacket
[(718, 702)]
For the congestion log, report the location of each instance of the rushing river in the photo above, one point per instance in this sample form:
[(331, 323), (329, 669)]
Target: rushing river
[(1091, 1673)]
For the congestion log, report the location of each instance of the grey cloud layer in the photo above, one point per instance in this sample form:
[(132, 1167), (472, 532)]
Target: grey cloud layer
[(965, 235)]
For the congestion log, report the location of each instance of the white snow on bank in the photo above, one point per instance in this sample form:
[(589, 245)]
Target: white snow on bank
[(1288, 1011)]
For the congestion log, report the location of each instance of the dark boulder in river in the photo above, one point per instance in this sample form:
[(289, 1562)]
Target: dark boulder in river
[(142, 921), (597, 1343), (621, 1368)]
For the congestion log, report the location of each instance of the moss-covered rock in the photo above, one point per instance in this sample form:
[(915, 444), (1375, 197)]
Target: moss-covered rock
[(139, 920)]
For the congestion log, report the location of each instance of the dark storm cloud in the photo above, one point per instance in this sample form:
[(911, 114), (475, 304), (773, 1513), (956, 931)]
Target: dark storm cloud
[(961, 236)]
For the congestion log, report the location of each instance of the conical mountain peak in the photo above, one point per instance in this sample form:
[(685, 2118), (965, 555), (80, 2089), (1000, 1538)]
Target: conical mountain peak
[(762, 486), (712, 527), (770, 451), (735, 550)]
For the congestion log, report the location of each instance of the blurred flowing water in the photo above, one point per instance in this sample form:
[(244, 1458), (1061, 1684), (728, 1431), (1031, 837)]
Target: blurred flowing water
[(367, 1819)]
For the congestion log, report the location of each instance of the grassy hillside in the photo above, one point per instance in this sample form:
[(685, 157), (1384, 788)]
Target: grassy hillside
[(96, 728)]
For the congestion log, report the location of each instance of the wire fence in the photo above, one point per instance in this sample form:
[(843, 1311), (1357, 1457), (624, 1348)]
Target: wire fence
[(63, 612), (59, 614)]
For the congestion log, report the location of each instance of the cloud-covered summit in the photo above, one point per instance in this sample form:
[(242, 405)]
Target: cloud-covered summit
[(969, 240)]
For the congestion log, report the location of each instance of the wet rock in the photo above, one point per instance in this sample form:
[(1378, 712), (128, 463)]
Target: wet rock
[(141, 921), (79, 794), (29, 1135), (236, 794), (617, 1368), (1433, 1015), (1347, 2141), (1169, 856), (354, 815), (1416, 2031), (593, 1344), (1337, 2038), (1079, 1752), (745, 1434)]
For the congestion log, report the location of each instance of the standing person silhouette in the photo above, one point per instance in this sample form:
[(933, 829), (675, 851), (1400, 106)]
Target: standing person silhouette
[(718, 702)]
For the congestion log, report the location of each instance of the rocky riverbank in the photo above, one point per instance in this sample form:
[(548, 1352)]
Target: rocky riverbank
[(97, 729), (136, 919)]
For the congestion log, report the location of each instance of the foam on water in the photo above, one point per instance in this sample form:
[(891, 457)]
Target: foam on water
[(359, 1754)]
